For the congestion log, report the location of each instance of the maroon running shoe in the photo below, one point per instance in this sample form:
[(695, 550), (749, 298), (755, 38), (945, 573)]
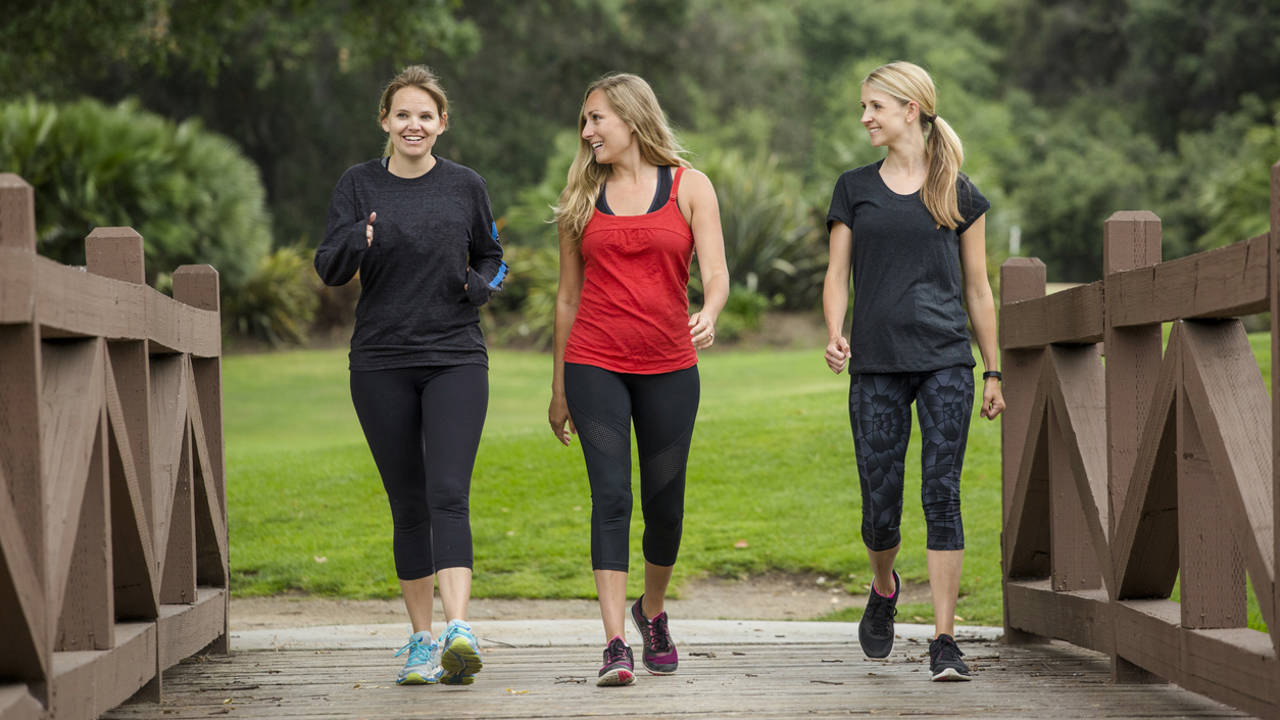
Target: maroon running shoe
[(660, 657), (618, 668)]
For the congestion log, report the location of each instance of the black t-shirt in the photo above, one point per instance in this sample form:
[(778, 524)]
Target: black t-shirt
[(435, 258), (907, 283)]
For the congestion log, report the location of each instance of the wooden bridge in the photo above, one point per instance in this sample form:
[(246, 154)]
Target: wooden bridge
[(1122, 478)]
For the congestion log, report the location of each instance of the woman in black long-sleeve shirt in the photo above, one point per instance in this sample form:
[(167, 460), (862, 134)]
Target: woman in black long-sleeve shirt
[(419, 231)]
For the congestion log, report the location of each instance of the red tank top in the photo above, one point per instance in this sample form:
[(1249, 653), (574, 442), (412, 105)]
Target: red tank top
[(633, 316)]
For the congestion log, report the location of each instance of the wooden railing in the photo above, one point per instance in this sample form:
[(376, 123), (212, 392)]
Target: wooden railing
[(1124, 477), (113, 529)]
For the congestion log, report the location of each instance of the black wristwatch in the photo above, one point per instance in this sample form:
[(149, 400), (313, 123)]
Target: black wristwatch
[(993, 374)]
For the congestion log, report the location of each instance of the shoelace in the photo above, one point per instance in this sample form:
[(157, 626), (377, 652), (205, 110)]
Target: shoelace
[(615, 652), (948, 651), (659, 638), (880, 614), (419, 652)]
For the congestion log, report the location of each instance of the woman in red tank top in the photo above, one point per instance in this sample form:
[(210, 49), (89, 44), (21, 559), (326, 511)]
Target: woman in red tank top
[(630, 218)]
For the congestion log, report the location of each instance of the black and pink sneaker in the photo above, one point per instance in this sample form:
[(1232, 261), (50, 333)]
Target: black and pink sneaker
[(660, 657), (618, 668)]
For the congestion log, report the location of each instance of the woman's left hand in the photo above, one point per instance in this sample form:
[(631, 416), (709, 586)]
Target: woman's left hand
[(992, 399), (703, 329)]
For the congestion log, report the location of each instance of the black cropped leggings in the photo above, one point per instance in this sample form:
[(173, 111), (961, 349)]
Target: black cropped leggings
[(603, 405), (880, 413), (423, 426)]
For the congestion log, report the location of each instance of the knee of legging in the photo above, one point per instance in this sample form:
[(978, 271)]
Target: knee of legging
[(666, 519), (614, 504), (880, 539), (942, 511)]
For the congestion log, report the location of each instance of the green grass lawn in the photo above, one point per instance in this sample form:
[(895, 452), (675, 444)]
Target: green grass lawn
[(771, 468)]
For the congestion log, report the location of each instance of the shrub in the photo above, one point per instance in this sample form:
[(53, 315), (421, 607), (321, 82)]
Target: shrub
[(278, 302), (190, 193)]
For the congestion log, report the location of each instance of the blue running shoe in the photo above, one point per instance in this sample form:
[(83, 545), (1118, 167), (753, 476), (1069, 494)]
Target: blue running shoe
[(459, 654), (423, 665)]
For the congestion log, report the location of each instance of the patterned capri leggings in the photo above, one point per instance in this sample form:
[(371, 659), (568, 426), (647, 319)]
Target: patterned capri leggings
[(880, 415)]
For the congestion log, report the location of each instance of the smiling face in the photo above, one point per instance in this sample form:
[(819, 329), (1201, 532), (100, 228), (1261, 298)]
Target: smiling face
[(603, 130), (413, 122), (885, 117)]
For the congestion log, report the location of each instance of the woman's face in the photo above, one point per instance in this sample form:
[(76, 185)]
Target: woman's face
[(607, 134), (883, 116), (413, 123)]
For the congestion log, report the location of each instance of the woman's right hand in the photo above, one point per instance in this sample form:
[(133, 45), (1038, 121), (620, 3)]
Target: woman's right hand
[(368, 229), (837, 354), (558, 416)]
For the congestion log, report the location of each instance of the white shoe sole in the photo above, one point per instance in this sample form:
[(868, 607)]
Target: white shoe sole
[(950, 675)]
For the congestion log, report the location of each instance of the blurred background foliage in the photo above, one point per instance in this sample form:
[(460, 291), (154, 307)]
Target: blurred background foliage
[(219, 129)]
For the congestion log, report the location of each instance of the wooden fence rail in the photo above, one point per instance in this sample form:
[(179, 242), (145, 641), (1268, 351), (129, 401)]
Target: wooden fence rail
[(1154, 467), (113, 527)]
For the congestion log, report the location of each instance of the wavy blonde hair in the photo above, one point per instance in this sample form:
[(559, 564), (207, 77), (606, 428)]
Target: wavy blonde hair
[(421, 77), (634, 102), (943, 152)]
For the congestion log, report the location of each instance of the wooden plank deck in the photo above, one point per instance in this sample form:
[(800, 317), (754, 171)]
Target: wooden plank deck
[(715, 681)]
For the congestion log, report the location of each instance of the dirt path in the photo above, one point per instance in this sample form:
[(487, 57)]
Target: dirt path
[(767, 597)]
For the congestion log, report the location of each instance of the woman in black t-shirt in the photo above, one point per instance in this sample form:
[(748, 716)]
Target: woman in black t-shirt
[(910, 229), (419, 231)]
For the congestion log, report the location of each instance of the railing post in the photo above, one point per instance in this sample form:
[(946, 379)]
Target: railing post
[(1130, 240), (25, 622), (198, 285), (1275, 402), (117, 253), (1020, 279)]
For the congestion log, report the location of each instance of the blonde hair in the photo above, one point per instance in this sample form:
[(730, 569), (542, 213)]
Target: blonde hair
[(943, 153), (636, 105), (421, 77)]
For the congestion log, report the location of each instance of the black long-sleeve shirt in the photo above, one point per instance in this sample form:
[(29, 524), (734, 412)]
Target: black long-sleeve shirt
[(434, 260)]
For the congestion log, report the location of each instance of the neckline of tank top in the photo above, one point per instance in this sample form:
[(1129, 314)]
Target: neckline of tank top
[(661, 195)]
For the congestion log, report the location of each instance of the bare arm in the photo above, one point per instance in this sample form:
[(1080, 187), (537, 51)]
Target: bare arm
[(835, 295), (982, 311), (567, 298), (698, 195)]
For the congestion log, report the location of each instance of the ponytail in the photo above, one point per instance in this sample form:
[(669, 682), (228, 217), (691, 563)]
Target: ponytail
[(943, 154)]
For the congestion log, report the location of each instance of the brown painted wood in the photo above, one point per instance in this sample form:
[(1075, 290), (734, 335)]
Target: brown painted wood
[(17, 286), (136, 569), (20, 466), (1072, 316), (1237, 667), (1275, 405), (72, 303), (116, 252), (1022, 279), (1145, 544), (168, 420), (720, 682), (178, 573), (17, 214), (1147, 635), (1225, 391), (1026, 537), (89, 683), (16, 703), (88, 607), (1227, 282), (1129, 240), (1077, 441), (23, 614), (1212, 588), (183, 630), (72, 399), (1079, 617)]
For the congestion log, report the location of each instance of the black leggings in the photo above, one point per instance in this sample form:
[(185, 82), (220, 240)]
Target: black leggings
[(880, 413), (603, 405), (423, 426)]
